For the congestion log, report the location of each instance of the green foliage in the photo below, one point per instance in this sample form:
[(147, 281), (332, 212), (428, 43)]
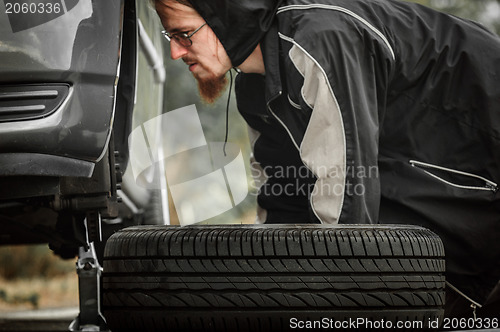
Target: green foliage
[(32, 298), (485, 12), (31, 262)]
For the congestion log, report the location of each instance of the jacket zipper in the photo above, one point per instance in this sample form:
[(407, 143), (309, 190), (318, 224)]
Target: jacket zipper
[(488, 185)]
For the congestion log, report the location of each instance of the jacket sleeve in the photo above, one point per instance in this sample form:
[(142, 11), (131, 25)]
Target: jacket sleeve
[(345, 69)]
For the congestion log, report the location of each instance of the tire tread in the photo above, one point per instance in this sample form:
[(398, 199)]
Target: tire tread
[(260, 276)]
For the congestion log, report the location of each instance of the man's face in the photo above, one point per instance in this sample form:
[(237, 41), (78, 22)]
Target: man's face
[(206, 57)]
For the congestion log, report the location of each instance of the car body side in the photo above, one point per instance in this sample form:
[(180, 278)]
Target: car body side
[(72, 88)]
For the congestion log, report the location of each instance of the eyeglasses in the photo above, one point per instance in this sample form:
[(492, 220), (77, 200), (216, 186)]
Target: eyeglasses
[(181, 38)]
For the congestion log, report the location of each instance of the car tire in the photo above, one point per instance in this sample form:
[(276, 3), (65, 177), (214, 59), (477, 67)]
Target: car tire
[(272, 278)]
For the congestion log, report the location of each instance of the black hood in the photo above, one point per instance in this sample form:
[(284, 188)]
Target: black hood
[(239, 24)]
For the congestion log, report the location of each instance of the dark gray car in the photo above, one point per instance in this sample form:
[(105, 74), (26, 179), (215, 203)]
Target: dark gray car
[(76, 77)]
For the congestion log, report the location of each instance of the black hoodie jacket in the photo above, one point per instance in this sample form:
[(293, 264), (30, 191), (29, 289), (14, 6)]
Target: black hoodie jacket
[(392, 109)]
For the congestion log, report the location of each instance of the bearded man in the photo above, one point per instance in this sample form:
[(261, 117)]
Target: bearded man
[(340, 87)]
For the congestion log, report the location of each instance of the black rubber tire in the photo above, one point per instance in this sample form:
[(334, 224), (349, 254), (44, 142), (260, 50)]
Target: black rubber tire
[(272, 278)]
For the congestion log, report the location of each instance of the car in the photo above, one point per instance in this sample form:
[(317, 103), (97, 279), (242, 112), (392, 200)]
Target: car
[(77, 77)]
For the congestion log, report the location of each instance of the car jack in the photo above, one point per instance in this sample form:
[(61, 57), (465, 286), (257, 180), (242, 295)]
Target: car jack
[(89, 288)]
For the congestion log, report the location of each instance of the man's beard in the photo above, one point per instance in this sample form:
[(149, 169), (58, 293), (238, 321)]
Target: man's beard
[(211, 88)]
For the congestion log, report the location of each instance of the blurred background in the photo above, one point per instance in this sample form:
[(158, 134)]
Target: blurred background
[(31, 277)]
